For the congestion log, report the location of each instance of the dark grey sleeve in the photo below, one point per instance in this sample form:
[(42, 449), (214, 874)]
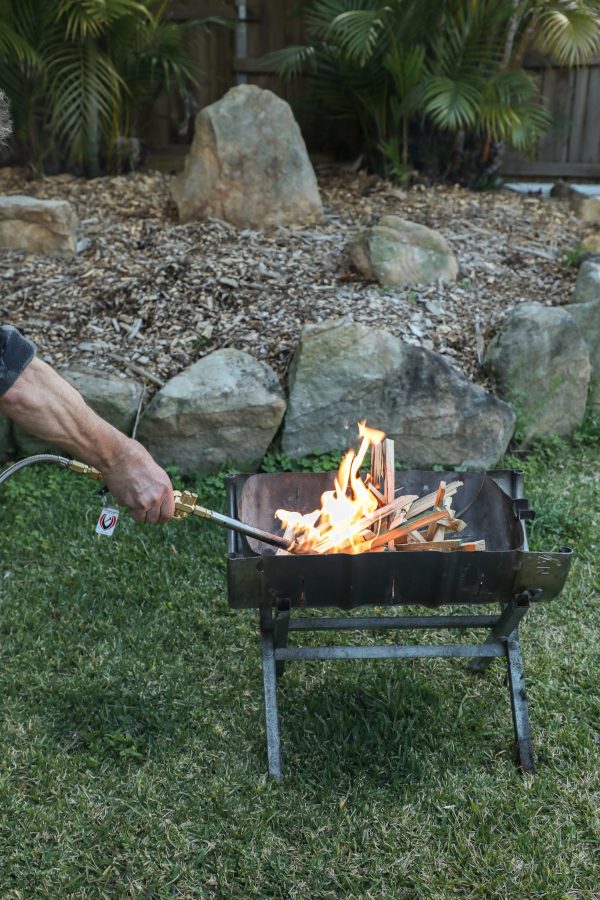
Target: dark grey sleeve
[(16, 352)]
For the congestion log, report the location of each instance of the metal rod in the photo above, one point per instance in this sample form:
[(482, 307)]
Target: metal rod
[(391, 651), (270, 691), (374, 623), (235, 525), (508, 620), (518, 704)]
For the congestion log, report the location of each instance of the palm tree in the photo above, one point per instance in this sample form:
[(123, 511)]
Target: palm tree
[(78, 71), (454, 66)]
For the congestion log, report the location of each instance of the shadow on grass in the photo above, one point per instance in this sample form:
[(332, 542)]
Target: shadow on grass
[(385, 724)]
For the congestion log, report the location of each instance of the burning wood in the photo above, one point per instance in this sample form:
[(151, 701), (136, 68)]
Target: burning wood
[(360, 516)]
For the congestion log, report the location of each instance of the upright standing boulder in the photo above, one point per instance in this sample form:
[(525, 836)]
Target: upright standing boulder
[(248, 164), (343, 372), (226, 408), (542, 367), (587, 316), (37, 226), (114, 399), (397, 252), (587, 286)]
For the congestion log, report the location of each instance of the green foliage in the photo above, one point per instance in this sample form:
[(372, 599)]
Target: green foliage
[(410, 71), (572, 257), (79, 73)]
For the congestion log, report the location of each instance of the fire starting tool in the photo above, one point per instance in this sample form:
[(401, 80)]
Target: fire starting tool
[(186, 502)]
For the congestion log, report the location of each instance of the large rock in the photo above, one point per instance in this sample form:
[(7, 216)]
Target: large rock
[(587, 316), (248, 164), (115, 399), (591, 244), (226, 408), (542, 367), (587, 286), (397, 252), (343, 372), (585, 207), (37, 226)]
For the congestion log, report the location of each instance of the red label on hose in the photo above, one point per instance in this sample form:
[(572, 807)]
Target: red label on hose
[(107, 521)]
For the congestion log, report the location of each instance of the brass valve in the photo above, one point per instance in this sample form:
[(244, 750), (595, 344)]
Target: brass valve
[(84, 469), (185, 503)]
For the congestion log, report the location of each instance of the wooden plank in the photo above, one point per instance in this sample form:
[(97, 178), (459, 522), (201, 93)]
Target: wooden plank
[(582, 77), (452, 544), (550, 169), (546, 144), (408, 526), (562, 103), (590, 147), (253, 66)]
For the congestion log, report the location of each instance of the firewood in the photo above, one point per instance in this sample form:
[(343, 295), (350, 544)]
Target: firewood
[(415, 537), (453, 524), (453, 544), (425, 503), (328, 542), (376, 464), (472, 546), (389, 479), (288, 534), (376, 493), (439, 500), (440, 533), (408, 526)]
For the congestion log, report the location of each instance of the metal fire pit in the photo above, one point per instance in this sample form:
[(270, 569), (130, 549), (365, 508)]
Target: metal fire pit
[(506, 573)]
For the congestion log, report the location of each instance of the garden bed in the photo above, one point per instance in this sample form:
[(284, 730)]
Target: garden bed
[(162, 295)]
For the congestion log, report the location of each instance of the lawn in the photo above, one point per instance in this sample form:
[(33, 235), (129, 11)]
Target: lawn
[(132, 752)]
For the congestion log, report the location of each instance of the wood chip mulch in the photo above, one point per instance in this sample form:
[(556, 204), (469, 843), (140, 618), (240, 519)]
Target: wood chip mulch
[(162, 295)]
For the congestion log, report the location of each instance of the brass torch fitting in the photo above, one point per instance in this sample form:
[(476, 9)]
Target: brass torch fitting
[(84, 469)]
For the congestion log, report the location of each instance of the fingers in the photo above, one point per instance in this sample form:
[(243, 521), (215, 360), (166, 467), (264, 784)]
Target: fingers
[(159, 512), (167, 507)]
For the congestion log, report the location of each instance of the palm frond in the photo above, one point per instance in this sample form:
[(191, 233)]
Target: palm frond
[(291, 62), (571, 33), (451, 104)]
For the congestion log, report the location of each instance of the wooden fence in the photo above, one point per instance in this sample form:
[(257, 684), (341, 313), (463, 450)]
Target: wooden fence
[(572, 148), (231, 56)]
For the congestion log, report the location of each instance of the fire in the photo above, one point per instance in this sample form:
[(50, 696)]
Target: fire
[(336, 525)]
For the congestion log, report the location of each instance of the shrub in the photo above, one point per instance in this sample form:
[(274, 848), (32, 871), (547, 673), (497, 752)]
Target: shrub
[(79, 72), (432, 79)]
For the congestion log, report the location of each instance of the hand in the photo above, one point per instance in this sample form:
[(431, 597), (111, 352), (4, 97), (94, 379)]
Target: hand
[(138, 483)]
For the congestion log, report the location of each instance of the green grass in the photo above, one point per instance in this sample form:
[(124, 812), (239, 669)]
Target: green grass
[(132, 756)]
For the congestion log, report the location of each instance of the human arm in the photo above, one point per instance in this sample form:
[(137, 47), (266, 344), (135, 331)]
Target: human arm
[(48, 407)]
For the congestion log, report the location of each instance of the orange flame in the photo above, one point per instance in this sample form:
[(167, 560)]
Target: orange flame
[(348, 502)]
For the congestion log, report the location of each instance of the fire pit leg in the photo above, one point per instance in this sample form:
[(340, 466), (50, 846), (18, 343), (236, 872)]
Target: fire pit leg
[(270, 690), (519, 705), (281, 627), (508, 621)]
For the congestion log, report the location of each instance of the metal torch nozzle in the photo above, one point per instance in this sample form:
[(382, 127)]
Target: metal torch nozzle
[(186, 504)]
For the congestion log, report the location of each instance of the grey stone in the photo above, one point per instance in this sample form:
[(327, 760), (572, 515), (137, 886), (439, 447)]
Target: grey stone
[(397, 252), (37, 226), (225, 408), (587, 286), (587, 316), (114, 399), (542, 367), (585, 207), (248, 164), (343, 372)]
